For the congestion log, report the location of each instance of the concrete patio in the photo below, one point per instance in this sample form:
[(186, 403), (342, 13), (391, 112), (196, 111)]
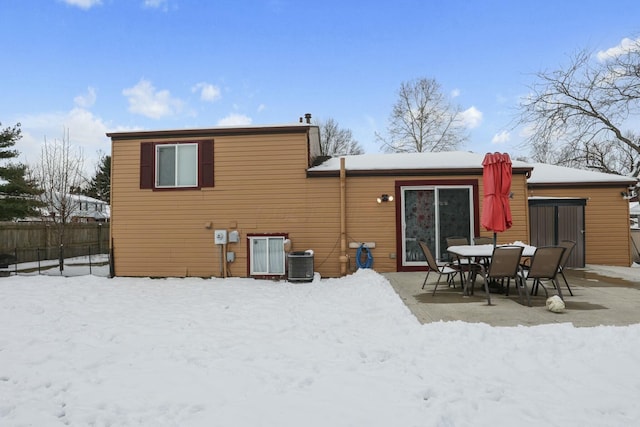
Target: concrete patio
[(596, 300)]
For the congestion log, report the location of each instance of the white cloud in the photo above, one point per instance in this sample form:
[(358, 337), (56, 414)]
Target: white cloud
[(471, 117), (235, 119), (527, 131), (261, 108), (86, 100), (86, 132), (145, 100), (156, 4), (501, 138), (208, 92), (455, 93), (626, 45), (83, 4)]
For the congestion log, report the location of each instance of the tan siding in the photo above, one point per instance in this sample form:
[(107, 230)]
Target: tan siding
[(260, 187), (606, 223)]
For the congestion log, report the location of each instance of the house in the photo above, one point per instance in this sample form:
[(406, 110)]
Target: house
[(82, 209), (234, 201), (89, 209)]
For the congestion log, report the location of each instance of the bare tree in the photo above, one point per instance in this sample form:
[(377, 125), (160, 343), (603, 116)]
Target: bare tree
[(336, 141), (423, 119), (577, 116), (60, 171)]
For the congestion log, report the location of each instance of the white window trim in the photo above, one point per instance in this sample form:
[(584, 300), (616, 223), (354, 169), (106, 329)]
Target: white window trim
[(252, 271), (157, 171)]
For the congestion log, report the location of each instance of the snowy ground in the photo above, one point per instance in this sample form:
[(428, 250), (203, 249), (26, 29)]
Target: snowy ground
[(88, 350)]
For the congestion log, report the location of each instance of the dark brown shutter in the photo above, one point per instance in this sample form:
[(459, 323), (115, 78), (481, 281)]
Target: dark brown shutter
[(205, 161), (146, 165)]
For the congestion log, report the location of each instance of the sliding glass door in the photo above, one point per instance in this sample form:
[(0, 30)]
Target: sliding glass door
[(431, 214)]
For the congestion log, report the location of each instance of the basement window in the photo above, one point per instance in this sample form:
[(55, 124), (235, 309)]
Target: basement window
[(266, 255)]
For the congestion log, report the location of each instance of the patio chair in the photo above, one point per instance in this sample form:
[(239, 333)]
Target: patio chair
[(568, 245), (483, 240), (505, 264), (464, 265), (441, 270), (544, 266)]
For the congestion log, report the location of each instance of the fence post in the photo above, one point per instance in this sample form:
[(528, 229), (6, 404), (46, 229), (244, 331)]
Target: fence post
[(38, 252), (15, 266), (112, 267), (90, 259), (61, 257)]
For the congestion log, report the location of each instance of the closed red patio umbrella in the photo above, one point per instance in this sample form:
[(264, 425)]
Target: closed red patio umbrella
[(496, 177)]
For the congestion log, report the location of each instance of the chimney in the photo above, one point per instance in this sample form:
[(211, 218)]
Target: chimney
[(308, 118)]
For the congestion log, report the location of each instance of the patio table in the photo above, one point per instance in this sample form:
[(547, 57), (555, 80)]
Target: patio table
[(482, 251)]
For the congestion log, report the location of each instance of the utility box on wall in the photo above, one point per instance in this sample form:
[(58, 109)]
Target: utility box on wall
[(220, 237)]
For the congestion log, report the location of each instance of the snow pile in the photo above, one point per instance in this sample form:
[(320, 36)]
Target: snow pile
[(336, 352)]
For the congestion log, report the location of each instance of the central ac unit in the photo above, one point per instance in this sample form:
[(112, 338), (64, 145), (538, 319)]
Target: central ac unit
[(300, 266)]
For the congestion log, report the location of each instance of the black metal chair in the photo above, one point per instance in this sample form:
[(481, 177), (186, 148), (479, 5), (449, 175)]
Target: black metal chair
[(483, 240), (441, 270), (464, 265), (505, 265), (568, 245), (545, 266)]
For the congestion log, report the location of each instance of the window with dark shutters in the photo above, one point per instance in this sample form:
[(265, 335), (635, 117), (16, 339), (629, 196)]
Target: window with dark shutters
[(148, 164)]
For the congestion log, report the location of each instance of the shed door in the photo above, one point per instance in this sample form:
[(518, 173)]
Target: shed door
[(553, 220)]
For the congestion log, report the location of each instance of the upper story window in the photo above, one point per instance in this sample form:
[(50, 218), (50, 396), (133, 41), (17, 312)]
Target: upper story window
[(176, 165)]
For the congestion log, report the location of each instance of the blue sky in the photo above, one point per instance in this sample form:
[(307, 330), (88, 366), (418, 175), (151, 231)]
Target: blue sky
[(94, 66)]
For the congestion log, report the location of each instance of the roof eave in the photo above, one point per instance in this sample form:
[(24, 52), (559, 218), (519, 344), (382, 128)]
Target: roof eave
[(208, 132), (590, 184), (408, 172)]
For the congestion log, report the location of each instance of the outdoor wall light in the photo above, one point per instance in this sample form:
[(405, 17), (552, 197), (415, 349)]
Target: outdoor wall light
[(385, 198)]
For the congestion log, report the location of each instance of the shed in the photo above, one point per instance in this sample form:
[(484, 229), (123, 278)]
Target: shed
[(587, 207)]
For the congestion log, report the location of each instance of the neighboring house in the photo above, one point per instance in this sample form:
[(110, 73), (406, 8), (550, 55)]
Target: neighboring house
[(83, 209), (634, 214), (176, 193), (88, 209)]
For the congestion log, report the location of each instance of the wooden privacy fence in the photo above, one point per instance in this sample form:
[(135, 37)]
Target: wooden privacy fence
[(39, 240)]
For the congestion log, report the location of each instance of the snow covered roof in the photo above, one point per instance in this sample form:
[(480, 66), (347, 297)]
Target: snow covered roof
[(83, 198), (465, 160), (438, 161), (550, 174)]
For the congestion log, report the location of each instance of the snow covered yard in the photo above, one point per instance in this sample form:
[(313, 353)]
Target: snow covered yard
[(89, 350)]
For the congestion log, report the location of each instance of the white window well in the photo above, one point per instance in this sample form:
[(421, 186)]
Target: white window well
[(177, 165)]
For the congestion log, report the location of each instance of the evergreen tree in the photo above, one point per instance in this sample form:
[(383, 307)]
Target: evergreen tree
[(17, 191), (100, 185)]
